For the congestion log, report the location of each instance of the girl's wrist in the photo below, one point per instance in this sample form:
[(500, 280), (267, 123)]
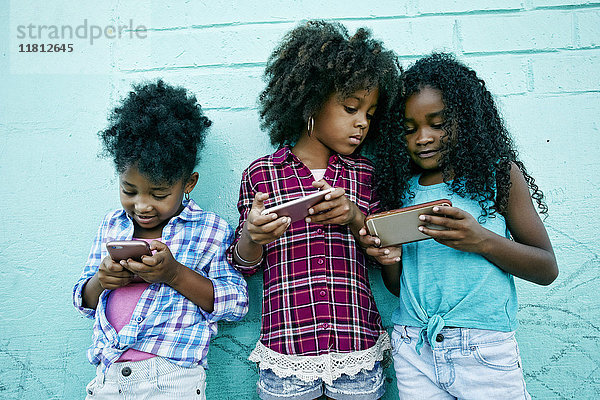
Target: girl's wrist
[(243, 261), (358, 221), (174, 279)]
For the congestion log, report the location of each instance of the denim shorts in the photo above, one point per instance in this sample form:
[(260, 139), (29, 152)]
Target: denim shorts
[(154, 378), (366, 385), (465, 363)]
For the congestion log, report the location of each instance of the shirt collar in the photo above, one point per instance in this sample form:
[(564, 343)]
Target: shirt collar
[(285, 153), (190, 212)]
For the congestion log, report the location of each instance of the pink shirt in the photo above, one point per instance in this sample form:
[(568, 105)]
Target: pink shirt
[(119, 309)]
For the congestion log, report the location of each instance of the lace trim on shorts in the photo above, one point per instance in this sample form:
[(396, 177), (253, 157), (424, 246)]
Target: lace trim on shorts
[(327, 367)]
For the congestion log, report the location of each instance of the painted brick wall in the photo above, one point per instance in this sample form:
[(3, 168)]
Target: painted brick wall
[(540, 58)]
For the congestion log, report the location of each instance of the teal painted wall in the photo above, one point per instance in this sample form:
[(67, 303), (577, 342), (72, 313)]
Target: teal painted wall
[(540, 57)]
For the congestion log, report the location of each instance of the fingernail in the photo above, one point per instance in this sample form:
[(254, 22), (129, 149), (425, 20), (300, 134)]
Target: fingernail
[(377, 242), (422, 217), (307, 219), (436, 209), (327, 197), (311, 211), (421, 229), (386, 252), (397, 259)]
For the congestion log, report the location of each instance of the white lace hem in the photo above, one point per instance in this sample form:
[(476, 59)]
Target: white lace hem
[(328, 367)]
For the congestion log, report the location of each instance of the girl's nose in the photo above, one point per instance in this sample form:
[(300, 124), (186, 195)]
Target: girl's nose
[(143, 206), (362, 122), (424, 137)]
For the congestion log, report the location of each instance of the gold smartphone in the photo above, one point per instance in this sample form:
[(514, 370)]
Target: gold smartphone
[(402, 225)]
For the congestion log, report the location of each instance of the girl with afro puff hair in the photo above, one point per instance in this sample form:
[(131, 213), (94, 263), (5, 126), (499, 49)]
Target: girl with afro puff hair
[(154, 316), (321, 332), (454, 325)]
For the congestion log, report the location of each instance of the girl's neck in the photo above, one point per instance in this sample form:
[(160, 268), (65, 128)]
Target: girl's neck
[(428, 178), (312, 153)]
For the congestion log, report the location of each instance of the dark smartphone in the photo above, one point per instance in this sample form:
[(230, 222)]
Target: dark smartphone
[(125, 249)]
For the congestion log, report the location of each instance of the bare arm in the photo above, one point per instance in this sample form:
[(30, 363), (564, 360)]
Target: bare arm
[(257, 231), (391, 277), (162, 267), (529, 256), (110, 275)]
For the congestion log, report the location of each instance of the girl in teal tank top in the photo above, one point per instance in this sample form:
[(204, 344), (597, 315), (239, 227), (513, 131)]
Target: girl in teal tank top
[(456, 315)]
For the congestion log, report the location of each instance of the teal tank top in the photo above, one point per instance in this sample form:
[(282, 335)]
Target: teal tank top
[(441, 286)]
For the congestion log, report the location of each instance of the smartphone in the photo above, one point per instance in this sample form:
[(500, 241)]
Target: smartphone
[(297, 209), (125, 249), (402, 225)]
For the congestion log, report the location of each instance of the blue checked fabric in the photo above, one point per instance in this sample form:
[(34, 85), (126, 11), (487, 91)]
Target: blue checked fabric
[(164, 322)]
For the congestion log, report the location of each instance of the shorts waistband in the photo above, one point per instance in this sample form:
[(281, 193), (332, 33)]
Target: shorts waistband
[(132, 371), (456, 338)]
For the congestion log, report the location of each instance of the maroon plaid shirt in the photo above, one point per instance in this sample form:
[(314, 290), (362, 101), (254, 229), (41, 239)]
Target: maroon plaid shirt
[(316, 293)]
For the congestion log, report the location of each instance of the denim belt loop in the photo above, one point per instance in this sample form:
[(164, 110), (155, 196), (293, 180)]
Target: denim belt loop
[(464, 341), (153, 370), (101, 374)]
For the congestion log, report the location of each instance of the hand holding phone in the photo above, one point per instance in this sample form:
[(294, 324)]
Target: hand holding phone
[(125, 249), (297, 209), (402, 225)]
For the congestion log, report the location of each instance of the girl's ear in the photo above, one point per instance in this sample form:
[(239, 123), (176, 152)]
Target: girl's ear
[(191, 183)]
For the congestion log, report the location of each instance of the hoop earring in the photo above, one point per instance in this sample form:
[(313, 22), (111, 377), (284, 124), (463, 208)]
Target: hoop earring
[(310, 126), (187, 196)]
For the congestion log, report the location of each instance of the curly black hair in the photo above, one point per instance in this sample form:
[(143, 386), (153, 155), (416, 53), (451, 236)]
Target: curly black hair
[(475, 162), (158, 128), (314, 61)]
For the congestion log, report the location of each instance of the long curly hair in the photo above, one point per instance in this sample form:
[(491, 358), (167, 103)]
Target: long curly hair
[(314, 61), (475, 161), (158, 128)]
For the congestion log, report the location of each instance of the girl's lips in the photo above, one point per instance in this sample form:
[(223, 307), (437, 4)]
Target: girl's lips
[(144, 219), (355, 139), (427, 153)]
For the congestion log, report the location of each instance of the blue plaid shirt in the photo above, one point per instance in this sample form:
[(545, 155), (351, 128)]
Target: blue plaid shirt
[(164, 322)]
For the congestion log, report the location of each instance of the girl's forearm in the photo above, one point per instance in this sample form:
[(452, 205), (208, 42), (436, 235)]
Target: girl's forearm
[(194, 287), (534, 264), (357, 223), (248, 250), (391, 277), (91, 292)]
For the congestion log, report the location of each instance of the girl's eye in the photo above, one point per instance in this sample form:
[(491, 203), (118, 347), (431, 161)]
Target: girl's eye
[(369, 116), (160, 197), (126, 193), (350, 110), (409, 130), (438, 126)]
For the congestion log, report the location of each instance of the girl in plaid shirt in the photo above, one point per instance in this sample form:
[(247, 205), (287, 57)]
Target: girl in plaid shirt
[(321, 332), (153, 319)]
